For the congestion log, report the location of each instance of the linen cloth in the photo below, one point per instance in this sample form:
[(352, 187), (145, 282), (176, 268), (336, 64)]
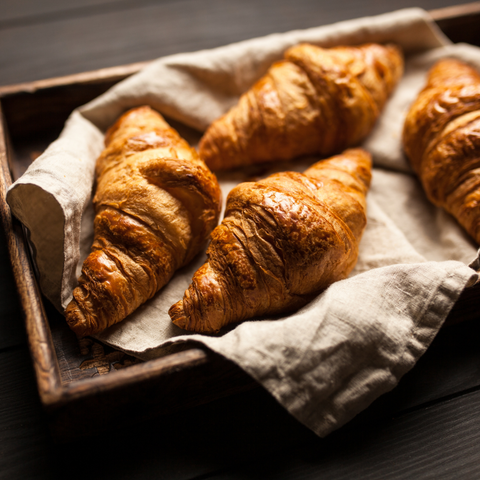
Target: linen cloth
[(332, 358)]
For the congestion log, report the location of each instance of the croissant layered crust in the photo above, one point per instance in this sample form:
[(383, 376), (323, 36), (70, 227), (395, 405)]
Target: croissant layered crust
[(282, 241), (441, 137), (156, 203), (315, 101)]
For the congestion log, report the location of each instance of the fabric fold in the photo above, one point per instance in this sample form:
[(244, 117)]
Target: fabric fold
[(50, 200), (329, 361)]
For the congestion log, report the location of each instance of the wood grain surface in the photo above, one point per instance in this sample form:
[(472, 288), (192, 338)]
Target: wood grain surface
[(428, 427), (53, 38)]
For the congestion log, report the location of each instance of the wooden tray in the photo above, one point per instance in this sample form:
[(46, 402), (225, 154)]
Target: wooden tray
[(85, 386)]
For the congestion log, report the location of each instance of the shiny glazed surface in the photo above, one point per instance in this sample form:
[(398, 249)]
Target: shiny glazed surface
[(282, 241), (315, 101), (156, 203), (441, 137)]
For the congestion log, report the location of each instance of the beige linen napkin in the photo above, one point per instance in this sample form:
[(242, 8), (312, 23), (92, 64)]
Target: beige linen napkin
[(353, 342)]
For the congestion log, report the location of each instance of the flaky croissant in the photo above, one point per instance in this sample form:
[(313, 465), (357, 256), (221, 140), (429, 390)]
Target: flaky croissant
[(441, 137), (156, 203), (282, 241), (316, 101)]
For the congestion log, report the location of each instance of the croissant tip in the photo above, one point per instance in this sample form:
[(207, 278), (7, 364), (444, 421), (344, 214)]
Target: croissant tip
[(76, 320), (191, 324), (177, 314)]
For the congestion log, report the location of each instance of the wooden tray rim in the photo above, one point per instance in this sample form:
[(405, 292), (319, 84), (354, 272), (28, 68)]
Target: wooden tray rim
[(53, 393)]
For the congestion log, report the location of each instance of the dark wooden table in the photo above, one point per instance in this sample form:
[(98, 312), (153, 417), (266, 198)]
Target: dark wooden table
[(428, 427)]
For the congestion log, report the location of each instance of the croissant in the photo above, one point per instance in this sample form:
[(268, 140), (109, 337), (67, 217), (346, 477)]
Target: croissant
[(282, 241), (156, 203), (441, 137), (315, 101)]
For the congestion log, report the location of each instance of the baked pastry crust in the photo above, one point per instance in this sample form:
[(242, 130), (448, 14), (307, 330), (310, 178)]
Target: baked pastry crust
[(315, 101), (441, 137), (282, 241), (156, 203)]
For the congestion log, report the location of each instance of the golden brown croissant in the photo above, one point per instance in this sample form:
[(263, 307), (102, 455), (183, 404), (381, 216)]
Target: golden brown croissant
[(156, 203), (282, 241), (441, 137), (316, 101)]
